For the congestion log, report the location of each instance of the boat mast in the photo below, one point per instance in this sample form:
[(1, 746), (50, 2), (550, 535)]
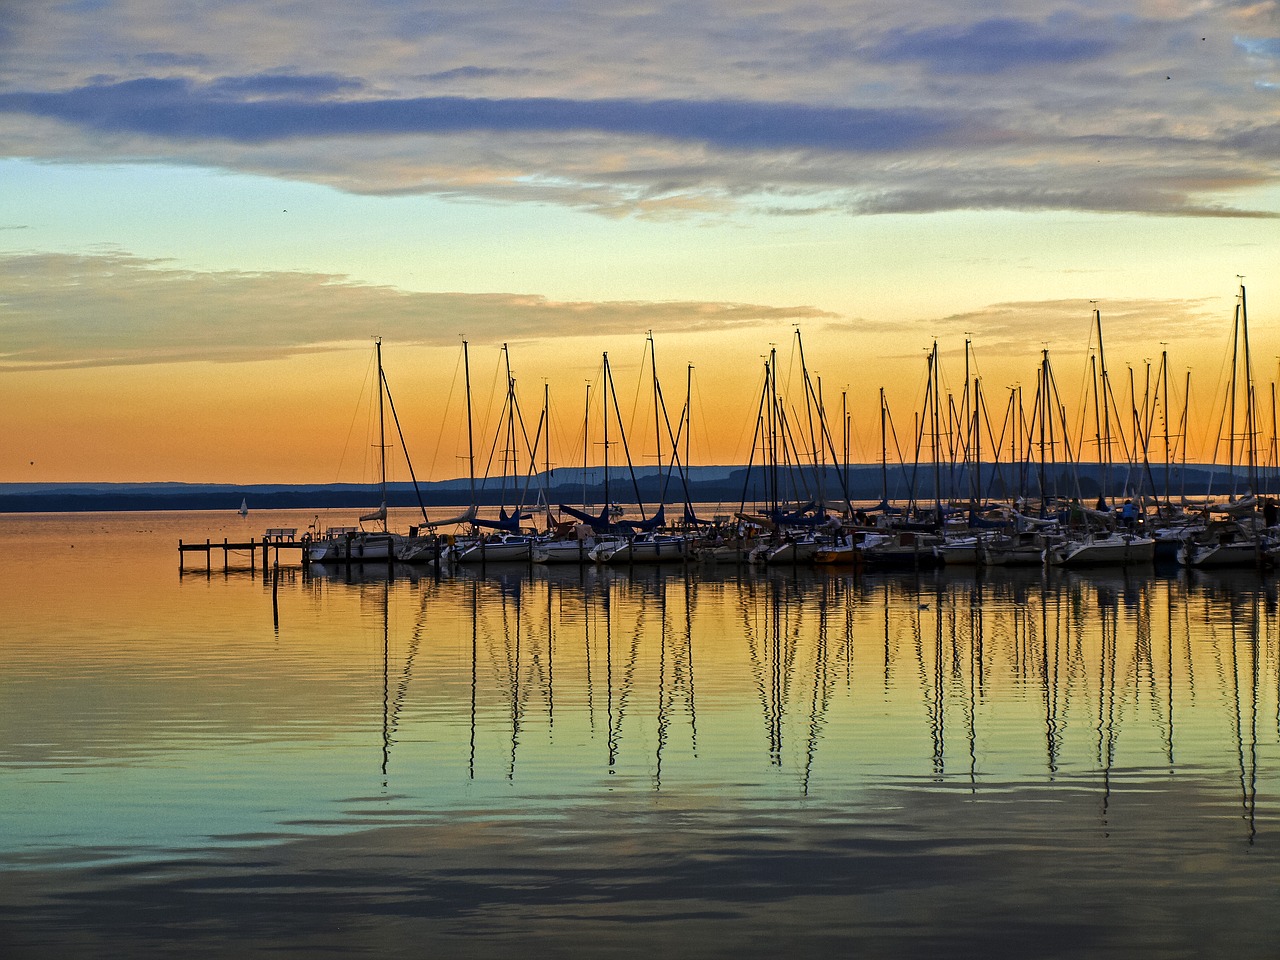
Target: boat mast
[(657, 421), (884, 454), (688, 413), (976, 499), (688, 434), (546, 450), (773, 428), (509, 450), (937, 465), (809, 400), (844, 435), (1106, 396), (1164, 371), (1043, 411), (471, 449), (1250, 424), (382, 433), (605, 408), (1182, 432)]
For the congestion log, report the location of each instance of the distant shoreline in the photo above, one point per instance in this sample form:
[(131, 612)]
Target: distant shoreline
[(723, 484)]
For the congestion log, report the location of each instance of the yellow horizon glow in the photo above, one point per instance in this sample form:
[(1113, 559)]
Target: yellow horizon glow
[(310, 418)]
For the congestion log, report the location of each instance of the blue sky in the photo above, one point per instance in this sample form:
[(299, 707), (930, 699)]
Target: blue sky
[(237, 183)]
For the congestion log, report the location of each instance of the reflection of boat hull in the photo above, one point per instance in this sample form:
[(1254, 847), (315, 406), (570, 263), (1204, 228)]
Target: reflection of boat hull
[(1115, 550)]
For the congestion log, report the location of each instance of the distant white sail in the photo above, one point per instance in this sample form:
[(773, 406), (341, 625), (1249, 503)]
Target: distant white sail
[(244, 508)]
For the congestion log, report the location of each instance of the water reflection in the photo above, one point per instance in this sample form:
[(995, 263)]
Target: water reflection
[(631, 761), (851, 680)]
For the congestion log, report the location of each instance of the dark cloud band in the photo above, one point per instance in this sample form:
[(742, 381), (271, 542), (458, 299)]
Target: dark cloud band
[(228, 110)]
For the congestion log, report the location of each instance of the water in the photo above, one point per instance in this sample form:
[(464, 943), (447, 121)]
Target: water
[(623, 763)]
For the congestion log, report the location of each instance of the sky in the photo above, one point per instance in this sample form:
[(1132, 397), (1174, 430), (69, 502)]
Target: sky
[(209, 210)]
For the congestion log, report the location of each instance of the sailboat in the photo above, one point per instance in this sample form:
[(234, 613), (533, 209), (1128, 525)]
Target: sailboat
[(573, 540), (1235, 540), (356, 544), (244, 508)]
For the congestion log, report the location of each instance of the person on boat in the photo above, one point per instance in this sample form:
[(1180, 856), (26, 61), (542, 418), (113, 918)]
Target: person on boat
[(1269, 512), (1129, 514)]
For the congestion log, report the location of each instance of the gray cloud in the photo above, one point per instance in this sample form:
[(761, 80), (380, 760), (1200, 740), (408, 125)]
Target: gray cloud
[(226, 110), (65, 311), (1135, 329), (1001, 44), (474, 73), (674, 109)]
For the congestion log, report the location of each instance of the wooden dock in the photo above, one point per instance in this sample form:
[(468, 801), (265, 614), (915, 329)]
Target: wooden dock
[(273, 542)]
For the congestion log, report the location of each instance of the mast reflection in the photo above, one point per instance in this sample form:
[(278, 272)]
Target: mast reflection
[(650, 674)]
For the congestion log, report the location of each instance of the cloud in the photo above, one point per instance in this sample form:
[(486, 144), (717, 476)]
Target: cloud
[(672, 110), (475, 73), (172, 108), (64, 311), (1265, 47), (1065, 327), (999, 45)]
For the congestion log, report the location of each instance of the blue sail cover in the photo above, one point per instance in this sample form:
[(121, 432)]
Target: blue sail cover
[(798, 518), (644, 526), (977, 521), (509, 523), (599, 523)]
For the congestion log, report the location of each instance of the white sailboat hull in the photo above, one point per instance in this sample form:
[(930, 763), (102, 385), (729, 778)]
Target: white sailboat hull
[(1115, 550), (509, 550), (353, 548), (659, 549), (564, 551), (1236, 554)]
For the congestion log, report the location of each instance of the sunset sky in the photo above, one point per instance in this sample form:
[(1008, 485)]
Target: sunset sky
[(208, 210)]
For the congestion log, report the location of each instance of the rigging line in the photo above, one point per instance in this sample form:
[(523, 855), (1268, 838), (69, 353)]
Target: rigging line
[(635, 401), (484, 425), (355, 416), (404, 447), (1219, 390), (497, 435), (444, 417), (752, 421), (635, 483), (531, 449)]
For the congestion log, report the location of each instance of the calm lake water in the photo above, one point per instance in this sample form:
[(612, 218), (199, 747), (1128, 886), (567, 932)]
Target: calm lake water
[(566, 762)]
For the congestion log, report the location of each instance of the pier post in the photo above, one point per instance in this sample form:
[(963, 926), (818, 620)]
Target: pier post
[(181, 557), (225, 560)]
